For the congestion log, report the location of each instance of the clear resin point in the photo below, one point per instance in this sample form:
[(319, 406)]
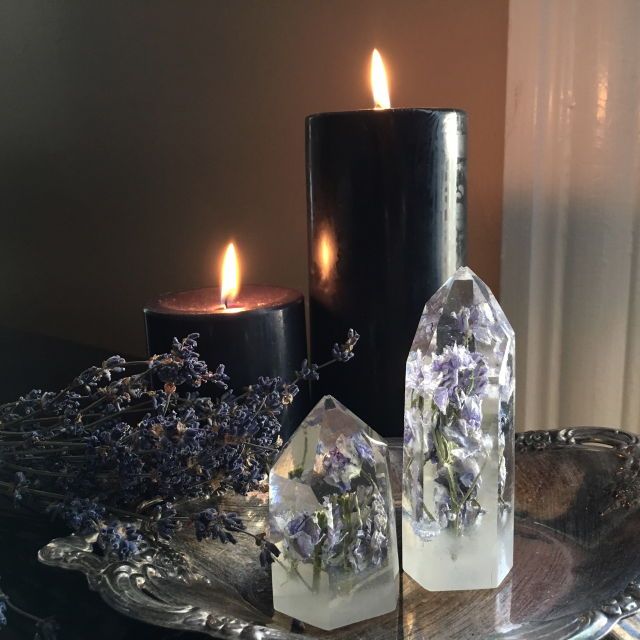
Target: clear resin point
[(458, 470), (331, 515)]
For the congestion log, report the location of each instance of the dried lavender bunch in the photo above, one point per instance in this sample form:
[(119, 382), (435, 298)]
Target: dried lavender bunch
[(112, 445)]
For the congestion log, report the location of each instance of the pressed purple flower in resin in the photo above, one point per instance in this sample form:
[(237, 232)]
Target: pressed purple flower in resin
[(458, 445), (331, 517)]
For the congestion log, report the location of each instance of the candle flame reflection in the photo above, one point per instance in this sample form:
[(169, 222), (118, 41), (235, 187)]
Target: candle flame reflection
[(326, 255), (379, 84), (230, 280)]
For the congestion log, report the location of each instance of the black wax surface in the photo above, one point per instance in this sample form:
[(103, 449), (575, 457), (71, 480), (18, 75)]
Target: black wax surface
[(263, 333), (387, 226)]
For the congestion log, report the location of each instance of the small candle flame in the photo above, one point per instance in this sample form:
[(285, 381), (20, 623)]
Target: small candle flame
[(230, 280), (379, 84)]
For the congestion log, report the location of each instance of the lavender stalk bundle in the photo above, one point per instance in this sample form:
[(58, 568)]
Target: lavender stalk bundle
[(115, 456)]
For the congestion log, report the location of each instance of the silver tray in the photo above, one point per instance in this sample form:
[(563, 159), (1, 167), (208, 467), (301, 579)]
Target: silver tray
[(575, 575)]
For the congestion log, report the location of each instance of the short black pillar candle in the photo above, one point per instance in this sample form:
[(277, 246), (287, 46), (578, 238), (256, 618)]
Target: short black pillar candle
[(387, 222), (262, 334)]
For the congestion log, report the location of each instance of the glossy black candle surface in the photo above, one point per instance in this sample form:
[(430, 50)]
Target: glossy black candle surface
[(387, 219), (262, 333)]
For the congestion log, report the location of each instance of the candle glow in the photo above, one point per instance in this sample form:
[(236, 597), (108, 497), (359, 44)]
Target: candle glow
[(326, 255), (230, 280), (379, 84)]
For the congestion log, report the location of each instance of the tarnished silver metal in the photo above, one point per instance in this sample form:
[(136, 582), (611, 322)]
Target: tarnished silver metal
[(576, 569), (626, 629)]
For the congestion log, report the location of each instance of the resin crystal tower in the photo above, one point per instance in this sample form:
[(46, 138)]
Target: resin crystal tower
[(331, 515), (458, 475)]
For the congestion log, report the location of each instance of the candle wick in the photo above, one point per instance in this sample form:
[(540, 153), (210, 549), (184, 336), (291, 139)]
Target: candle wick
[(226, 303)]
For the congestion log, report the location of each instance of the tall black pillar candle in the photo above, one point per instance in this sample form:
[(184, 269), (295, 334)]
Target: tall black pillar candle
[(387, 218), (262, 334)]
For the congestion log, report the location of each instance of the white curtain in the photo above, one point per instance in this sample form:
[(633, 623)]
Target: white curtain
[(571, 229)]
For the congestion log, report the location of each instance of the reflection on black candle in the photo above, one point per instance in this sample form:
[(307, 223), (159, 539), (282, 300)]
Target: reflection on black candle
[(326, 258), (387, 217)]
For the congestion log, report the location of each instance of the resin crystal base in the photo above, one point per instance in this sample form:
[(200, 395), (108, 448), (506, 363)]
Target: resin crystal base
[(457, 526), (331, 515)]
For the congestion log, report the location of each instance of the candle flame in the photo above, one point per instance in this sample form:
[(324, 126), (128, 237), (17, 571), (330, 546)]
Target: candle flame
[(230, 281), (379, 84)]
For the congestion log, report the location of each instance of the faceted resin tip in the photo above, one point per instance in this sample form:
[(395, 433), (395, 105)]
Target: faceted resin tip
[(464, 273), (329, 402)]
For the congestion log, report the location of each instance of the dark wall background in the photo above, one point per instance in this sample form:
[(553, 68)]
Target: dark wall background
[(137, 138)]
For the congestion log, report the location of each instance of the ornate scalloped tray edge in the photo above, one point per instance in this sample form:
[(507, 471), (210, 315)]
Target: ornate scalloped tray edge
[(576, 571)]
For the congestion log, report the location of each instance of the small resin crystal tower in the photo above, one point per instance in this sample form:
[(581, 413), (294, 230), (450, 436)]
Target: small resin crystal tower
[(331, 515), (458, 472)]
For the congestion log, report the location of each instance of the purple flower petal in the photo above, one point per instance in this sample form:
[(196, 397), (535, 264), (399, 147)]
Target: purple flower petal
[(441, 398)]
